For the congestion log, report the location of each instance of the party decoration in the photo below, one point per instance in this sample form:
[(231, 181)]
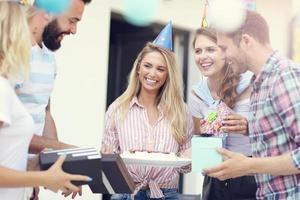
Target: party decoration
[(164, 39), (140, 12), (250, 4), (53, 6), (24, 2), (204, 23), (226, 15)]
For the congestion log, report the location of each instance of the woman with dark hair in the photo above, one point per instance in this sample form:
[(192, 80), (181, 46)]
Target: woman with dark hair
[(221, 84)]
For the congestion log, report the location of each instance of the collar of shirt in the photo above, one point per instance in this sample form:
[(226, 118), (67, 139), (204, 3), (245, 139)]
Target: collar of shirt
[(135, 102)]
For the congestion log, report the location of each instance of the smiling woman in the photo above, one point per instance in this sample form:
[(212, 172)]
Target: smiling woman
[(221, 86), (150, 116), (153, 72), (209, 58)]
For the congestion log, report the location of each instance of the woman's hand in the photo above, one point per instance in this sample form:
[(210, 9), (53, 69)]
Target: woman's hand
[(203, 126), (235, 123), (186, 154), (199, 125), (107, 149), (56, 179)]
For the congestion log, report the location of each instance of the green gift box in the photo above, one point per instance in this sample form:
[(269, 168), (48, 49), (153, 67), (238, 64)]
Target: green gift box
[(204, 153)]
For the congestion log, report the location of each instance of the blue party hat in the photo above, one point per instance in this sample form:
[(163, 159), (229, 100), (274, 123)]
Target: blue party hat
[(164, 39)]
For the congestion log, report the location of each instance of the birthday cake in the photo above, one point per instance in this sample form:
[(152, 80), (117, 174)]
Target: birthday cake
[(154, 159)]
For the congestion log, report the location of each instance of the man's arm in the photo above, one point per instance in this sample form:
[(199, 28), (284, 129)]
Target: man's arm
[(284, 95), (49, 128), (49, 138), (276, 165), (39, 143), (238, 165)]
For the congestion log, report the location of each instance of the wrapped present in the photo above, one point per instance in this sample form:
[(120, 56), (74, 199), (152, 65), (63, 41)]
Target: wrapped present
[(204, 153), (213, 122)]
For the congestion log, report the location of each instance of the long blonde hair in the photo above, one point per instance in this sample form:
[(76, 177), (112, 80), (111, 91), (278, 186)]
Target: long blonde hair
[(15, 42), (170, 96)]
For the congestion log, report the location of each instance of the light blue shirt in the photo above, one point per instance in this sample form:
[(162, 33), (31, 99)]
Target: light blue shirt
[(35, 92)]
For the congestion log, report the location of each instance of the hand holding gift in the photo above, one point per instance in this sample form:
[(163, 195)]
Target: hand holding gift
[(213, 123), (234, 123)]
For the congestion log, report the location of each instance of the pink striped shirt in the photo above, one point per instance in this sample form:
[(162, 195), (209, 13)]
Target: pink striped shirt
[(135, 133)]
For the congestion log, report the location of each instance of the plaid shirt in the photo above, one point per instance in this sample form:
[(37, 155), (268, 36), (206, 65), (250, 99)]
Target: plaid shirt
[(275, 124)]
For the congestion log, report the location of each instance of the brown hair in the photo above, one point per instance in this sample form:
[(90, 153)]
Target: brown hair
[(255, 26), (227, 89), (208, 32)]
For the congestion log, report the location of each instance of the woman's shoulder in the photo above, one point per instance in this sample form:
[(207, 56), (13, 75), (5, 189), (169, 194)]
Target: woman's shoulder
[(200, 85), (4, 85), (114, 105), (195, 98), (117, 104), (201, 93), (196, 105)]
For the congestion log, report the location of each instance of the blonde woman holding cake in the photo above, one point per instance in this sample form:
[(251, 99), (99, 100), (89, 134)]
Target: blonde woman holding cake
[(151, 116)]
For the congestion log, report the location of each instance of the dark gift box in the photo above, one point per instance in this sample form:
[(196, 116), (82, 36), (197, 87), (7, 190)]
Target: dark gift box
[(108, 171)]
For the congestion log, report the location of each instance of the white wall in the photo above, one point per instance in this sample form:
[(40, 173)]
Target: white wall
[(278, 15), (184, 14), (78, 102)]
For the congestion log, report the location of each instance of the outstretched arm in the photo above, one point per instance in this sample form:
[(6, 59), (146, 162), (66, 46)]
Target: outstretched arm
[(54, 179), (39, 143), (49, 138), (237, 165)]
